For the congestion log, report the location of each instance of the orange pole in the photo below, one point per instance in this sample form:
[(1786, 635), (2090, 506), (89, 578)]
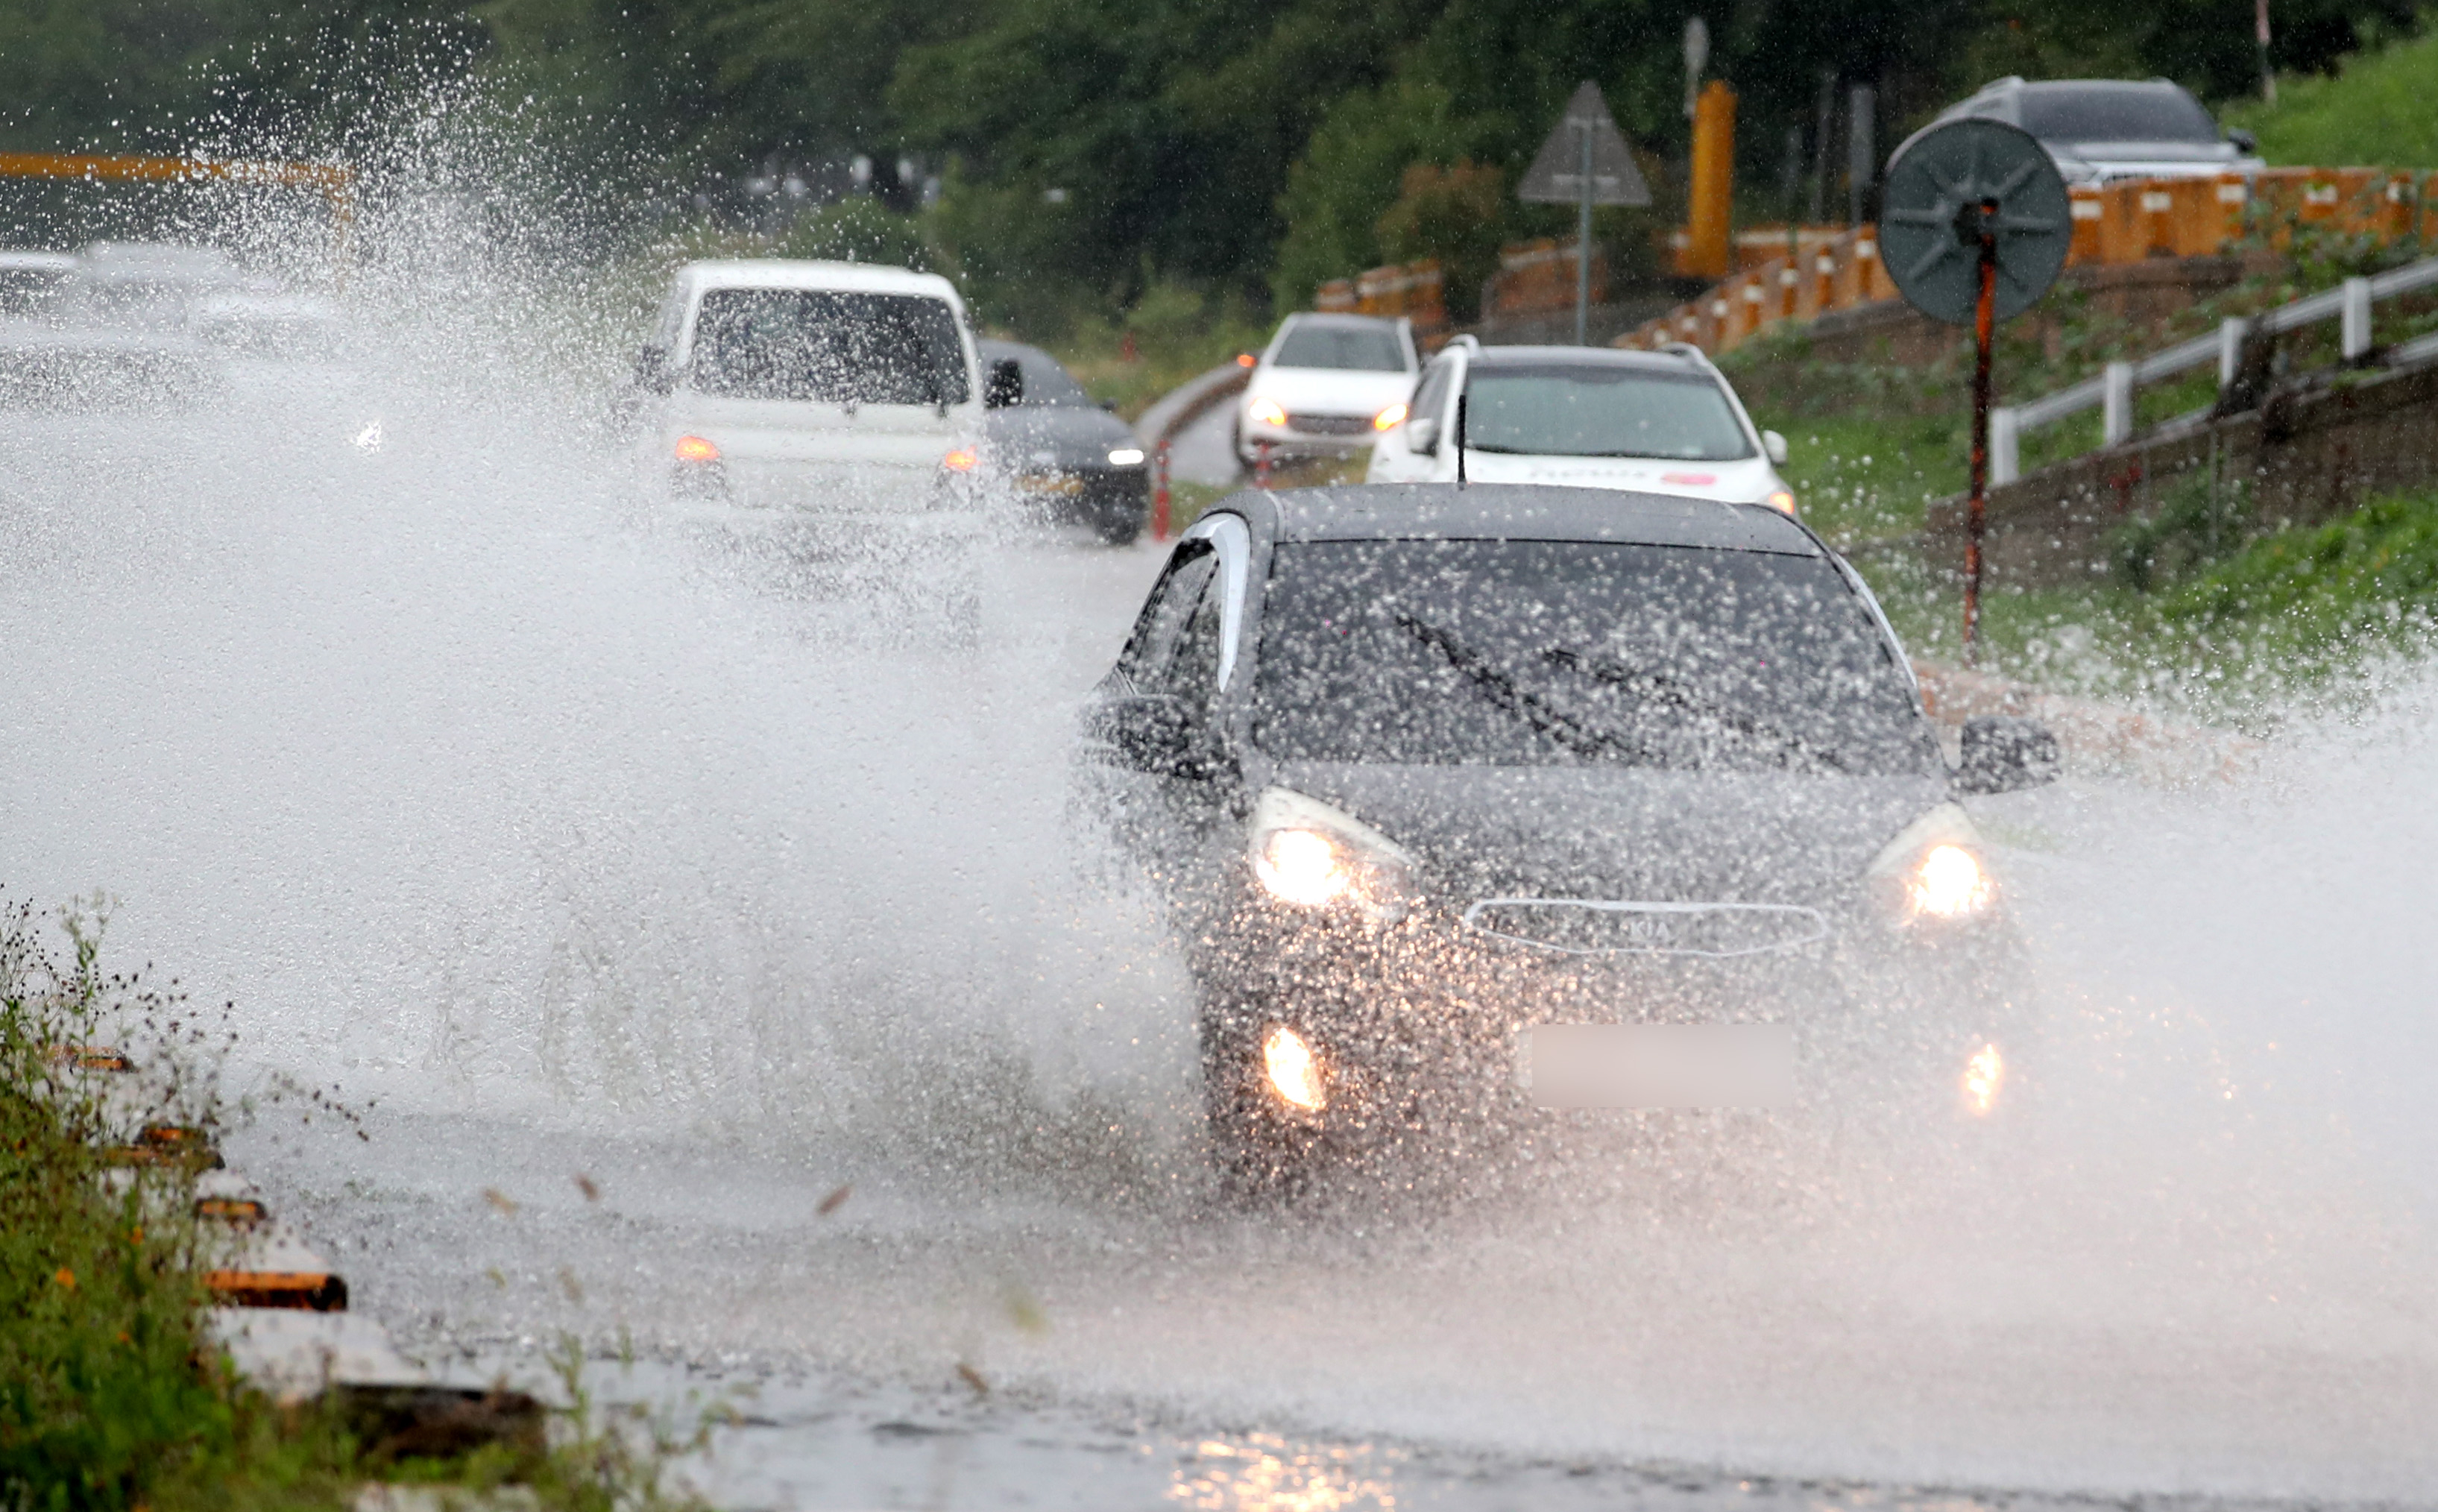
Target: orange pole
[(1710, 215)]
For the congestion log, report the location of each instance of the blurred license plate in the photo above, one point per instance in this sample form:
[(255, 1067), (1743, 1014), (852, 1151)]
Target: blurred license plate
[(1657, 1065), (1056, 482)]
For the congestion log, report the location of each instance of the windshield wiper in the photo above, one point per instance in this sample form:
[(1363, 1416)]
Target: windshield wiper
[(1502, 692), (1674, 692)]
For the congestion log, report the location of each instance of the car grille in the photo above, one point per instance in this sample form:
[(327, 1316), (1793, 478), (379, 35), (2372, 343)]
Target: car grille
[(1330, 425), (1579, 927)]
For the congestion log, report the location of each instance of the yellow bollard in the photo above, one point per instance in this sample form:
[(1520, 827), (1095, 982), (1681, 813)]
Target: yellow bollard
[(1711, 214)]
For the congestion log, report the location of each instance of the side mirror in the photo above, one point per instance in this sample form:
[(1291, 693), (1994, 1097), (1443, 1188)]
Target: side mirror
[(1422, 437), (1151, 732), (1005, 386), (1110, 405), (2005, 755), (653, 374), (2243, 141), (1773, 444)]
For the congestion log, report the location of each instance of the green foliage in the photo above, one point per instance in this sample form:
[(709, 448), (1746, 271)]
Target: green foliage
[(1348, 176), (2376, 110), (1454, 215), (2369, 577), (2199, 521)]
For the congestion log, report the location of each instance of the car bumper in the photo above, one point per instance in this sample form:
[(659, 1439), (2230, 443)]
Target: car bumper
[(1418, 1023), (1087, 495), (1286, 443)]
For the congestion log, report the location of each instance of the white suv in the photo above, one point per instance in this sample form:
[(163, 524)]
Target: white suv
[(1322, 385), (775, 386), (1661, 422)]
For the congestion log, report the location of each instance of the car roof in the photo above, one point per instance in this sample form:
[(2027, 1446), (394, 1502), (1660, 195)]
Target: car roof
[(1518, 512), (1587, 356), (790, 273), (1315, 317)]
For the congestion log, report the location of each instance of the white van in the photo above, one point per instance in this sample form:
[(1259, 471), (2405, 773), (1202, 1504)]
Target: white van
[(779, 388)]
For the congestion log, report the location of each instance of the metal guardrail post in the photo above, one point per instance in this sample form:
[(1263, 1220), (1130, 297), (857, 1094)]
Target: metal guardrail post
[(2231, 334), (2116, 404), (2357, 319), (2006, 450)]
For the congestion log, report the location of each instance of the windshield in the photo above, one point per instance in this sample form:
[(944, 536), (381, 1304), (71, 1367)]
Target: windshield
[(1587, 410), (1045, 382), (1365, 348), (2137, 115), (1559, 653), (828, 347)]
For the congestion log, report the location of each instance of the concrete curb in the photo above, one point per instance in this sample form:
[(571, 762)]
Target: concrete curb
[(1189, 401)]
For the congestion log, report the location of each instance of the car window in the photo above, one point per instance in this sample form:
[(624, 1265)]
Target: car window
[(1045, 381), (1152, 650), (2117, 116), (1364, 348), (1586, 409), (827, 347), (1561, 653)]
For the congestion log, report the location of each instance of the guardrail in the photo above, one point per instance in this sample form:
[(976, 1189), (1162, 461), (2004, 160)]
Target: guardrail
[(2112, 390)]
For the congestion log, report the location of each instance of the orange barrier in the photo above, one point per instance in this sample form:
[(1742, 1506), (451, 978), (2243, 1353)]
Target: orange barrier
[(1416, 291), (1538, 278), (337, 184), (2116, 223)]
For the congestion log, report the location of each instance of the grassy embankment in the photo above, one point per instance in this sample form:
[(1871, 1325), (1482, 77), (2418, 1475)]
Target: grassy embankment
[(2201, 609), (111, 1393)]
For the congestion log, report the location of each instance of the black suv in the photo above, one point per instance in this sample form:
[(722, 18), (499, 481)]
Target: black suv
[(1469, 801)]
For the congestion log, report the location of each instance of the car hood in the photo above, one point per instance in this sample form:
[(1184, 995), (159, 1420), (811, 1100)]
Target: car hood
[(1055, 435), (1329, 390), (1626, 834)]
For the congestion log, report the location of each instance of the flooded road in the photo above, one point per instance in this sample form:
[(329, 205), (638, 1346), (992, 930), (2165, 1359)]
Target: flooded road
[(568, 849)]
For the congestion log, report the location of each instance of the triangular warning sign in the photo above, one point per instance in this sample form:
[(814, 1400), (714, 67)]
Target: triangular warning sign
[(1557, 174)]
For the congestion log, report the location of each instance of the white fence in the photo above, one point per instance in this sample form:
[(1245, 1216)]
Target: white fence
[(2112, 391)]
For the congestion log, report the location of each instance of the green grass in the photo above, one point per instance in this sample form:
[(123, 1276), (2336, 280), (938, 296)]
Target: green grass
[(2375, 112), (111, 1397)]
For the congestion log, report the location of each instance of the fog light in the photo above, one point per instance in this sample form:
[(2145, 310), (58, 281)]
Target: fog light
[(1294, 1073), (1983, 1075), (1950, 883)]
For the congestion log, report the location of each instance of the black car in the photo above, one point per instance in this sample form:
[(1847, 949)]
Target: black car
[(1633, 794), (1063, 453)]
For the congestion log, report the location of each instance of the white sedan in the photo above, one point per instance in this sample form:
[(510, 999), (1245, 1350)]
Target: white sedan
[(1586, 417), (1323, 384)]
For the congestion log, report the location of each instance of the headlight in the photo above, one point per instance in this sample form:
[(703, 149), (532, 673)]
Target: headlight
[(1933, 868), (1311, 855), (1389, 418), (695, 448), (1293, 1070), (1782, 501), (1267, 411), (1126, 457)]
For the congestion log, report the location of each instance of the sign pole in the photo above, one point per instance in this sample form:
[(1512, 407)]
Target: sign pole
[(1584, 246), (1985, 320)]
